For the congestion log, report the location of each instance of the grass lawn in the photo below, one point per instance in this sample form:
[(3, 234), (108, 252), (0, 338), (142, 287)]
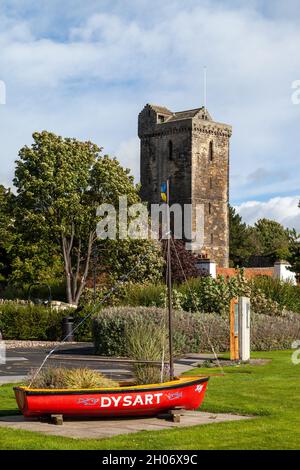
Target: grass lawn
[(271, 392)]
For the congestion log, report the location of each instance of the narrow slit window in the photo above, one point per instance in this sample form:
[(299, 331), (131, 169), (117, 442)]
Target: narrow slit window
[(211, 151), (212, 238), (170, 149), (209, 208)]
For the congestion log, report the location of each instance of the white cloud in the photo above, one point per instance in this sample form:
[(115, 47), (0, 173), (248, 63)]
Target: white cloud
[(284, 210), (90, 77), (129, 153)]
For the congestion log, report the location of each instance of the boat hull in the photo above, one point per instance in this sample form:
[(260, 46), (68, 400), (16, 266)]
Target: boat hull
[(146, 400)]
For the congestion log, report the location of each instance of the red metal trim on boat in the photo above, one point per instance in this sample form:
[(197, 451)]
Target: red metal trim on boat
[(111, 390)]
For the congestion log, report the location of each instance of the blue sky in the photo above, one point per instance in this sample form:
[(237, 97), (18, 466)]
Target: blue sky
[(86, 68)]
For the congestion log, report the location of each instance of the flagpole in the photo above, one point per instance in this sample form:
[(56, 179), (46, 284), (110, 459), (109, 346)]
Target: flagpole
[(205, 86), (169, 281)]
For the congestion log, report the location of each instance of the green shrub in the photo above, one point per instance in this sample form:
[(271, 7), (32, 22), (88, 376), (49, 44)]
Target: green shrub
[(271, 333), (60, 377), (146, 341), (40, 291), (49, 377), (208, 295), (84, 331), (88, 378), (286, 295), (148, 374), (12, 292), (144, 295), (31, 322), (193, 332), (213, 295)]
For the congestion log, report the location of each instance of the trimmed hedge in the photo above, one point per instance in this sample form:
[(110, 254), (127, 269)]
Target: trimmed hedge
[(31, 322), (192, 332), (40, 291), (271, 333)]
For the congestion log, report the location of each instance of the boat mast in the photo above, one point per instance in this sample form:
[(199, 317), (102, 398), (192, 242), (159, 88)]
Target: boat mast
[(169, 282)]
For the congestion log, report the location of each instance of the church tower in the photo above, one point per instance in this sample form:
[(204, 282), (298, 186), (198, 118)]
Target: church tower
[(193, 150)]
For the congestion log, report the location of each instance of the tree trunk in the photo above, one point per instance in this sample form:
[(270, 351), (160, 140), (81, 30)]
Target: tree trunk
[(86, 269), (67, 264), (73, 290)]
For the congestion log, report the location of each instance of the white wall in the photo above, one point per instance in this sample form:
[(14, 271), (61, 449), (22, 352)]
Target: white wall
[(282, 272)]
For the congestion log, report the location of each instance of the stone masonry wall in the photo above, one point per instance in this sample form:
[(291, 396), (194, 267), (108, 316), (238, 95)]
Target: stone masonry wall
[(195, 177), (210, 187)]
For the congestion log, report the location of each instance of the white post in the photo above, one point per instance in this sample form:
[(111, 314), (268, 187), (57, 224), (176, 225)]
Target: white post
[(207, 266), (282, 272), (244, 328)]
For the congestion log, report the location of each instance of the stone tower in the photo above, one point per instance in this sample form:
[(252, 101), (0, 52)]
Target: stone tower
[(193, 150)]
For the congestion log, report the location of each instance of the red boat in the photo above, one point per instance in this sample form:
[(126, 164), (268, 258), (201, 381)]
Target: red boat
[(144, 400)]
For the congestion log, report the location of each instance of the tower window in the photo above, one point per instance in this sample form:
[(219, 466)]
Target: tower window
[(209, 208), (212, 238), (210, 152), (170, 149)]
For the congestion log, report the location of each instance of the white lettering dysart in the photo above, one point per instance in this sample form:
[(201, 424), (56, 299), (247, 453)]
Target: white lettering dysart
[(123, 400)]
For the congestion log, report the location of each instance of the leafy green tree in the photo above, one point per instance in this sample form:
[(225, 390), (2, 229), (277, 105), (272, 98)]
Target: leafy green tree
[(240, 248), (60, 183), (272, 239), (294, 253), (294, 257), (6, 231), (34, 260), (118, 257)]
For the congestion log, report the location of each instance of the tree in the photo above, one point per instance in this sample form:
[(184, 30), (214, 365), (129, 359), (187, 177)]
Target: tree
[(272, 239), (6, 231), (294, 255), (294, 248), (60, 183), (23, 260), (34, 260), (119, 257), (239, 240)]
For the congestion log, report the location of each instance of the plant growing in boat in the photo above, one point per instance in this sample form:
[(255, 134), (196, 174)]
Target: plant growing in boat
[(49, 377), (146, 341), (60, 377), (87, 378)]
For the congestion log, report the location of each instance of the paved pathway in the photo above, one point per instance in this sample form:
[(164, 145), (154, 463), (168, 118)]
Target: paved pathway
[(20, 361), (102, 428)]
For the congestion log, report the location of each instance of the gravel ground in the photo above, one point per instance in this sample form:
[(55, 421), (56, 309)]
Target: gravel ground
[(20, 344), (228, 363)]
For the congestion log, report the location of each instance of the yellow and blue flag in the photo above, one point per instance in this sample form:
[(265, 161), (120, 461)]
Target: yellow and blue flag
[(163, 192)]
